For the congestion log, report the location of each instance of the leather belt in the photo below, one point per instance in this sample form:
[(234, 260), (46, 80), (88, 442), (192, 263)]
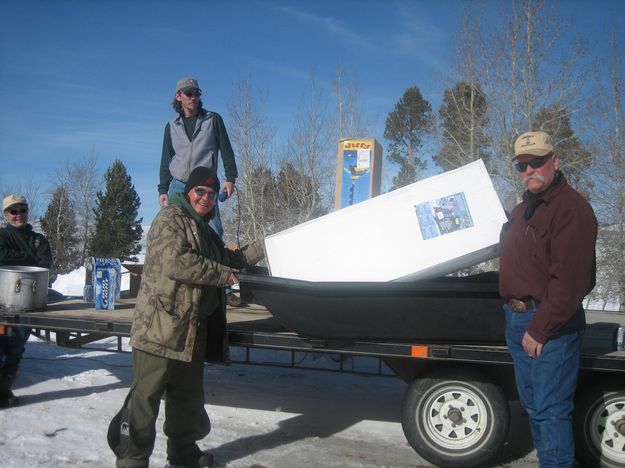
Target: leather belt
[(518, 305)]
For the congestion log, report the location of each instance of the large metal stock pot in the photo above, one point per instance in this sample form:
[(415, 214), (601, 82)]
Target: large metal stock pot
[(23, 288)]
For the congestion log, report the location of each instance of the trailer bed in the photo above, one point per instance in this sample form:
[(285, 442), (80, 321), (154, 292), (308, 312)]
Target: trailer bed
[(253, 326)]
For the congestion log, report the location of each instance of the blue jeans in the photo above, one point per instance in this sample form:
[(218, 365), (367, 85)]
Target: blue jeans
[(178, 186), (546, 387)]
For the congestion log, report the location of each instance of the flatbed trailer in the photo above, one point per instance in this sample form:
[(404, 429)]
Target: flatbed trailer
[(456, 407)]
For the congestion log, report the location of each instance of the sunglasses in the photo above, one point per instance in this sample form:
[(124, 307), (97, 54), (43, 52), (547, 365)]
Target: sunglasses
[(20, 211), (200, 192), (191, 94), (533, 163)]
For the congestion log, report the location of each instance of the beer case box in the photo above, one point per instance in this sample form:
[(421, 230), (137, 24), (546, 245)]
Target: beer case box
[(427, 229), (106, 282)]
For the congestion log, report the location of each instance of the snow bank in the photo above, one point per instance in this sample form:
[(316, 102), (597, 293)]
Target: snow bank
[(72, 284)]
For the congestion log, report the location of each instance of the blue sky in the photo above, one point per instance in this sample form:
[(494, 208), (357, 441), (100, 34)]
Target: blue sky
[(82, 76)]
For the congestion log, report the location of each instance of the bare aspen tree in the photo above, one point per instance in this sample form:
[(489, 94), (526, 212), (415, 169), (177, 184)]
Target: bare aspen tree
[(463, 113), (306, 178), (523, 71), (79, 179), (84, 179), (462, 117), (348, 120), (609, 189), (252, 136)]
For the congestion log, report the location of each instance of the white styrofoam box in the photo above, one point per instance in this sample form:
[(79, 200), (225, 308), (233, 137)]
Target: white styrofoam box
[(432, 227)]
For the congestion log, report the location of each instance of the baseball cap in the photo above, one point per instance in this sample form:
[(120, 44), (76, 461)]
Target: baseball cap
[(13, 199), (533, 143), (185, 83)]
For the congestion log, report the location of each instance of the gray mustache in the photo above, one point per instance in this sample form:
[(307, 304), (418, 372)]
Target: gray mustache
[(537, 177)]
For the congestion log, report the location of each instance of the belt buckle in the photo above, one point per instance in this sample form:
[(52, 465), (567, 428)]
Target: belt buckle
[(517, 305)]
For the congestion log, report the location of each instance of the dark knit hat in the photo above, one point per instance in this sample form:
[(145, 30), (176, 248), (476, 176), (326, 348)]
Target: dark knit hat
[(202, 176)]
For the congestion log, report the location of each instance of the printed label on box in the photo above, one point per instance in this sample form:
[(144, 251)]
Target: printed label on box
[(107, 282), (356, 177), (443, 215)]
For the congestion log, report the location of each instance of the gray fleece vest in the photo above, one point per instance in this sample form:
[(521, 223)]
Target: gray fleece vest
[(202, 150)]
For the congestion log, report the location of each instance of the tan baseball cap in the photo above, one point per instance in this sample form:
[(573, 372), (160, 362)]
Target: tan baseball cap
[(185, 83), (533, 143), (13, 199)]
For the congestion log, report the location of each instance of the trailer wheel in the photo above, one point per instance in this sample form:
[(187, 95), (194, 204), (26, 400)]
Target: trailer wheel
[(599, 426), (455, 418)]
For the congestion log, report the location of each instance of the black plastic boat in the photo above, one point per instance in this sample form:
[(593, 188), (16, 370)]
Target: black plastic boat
[(450, 309)]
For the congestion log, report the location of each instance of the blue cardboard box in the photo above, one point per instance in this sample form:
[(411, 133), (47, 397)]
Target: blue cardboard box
[(106, 282)]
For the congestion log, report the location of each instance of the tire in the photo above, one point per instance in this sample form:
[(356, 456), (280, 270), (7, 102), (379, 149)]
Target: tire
[(478, 407), (599, 426)]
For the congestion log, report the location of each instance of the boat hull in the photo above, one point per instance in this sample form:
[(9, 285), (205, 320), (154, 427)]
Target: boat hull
[(467, 310)]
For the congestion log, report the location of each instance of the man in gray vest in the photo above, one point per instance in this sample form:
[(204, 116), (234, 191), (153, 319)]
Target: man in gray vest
[(194, 139)]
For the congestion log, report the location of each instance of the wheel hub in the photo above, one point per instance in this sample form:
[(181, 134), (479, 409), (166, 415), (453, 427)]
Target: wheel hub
[(455, 415), (456, 419), (619, 426)]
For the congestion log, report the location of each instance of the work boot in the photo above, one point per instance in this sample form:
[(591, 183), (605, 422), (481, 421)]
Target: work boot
[(205, 460), (10, 371), (7, 399)]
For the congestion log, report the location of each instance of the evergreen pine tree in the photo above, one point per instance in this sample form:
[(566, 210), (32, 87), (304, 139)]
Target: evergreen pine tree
[(297, 196), (117, 229), (575, 160), (405, 128), (463, 119), (59, 226)]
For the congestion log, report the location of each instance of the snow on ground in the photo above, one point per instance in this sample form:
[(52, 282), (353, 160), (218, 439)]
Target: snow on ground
[(261, 416)]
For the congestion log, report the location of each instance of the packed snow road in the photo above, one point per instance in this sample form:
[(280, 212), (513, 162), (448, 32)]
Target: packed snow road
[(262, 416)]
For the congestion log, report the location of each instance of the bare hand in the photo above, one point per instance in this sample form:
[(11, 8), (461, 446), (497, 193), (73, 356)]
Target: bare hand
[(228, 187), (233, 279), (162, 200), (532, 347)]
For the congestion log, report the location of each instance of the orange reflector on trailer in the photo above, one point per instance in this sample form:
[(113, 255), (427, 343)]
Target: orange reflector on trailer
[(419, 351)]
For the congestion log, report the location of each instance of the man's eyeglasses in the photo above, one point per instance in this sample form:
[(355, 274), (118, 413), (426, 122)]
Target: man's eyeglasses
[(20, 211), (200, 192), (533, 163), (191, 94)]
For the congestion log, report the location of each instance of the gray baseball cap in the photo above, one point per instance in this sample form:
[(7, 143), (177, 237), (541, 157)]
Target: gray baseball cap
[(186, 83)]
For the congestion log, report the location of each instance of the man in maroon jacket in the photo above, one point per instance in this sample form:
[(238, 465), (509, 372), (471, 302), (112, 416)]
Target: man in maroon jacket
[(547, 266)]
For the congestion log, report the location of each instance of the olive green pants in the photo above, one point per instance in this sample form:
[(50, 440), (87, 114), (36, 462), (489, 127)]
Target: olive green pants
[(181, 384)]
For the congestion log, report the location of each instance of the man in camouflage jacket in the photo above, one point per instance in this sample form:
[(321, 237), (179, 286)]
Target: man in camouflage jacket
[(179, 322)]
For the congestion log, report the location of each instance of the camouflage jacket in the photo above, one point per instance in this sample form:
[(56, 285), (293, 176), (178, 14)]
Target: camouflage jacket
[(174, 274)]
